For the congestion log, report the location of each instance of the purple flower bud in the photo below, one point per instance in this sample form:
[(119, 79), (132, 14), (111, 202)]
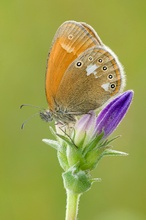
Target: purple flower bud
[(84, 128), (110, 117)]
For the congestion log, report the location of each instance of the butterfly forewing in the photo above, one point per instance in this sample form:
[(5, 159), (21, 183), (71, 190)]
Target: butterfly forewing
[(71, 39), (92, 32)]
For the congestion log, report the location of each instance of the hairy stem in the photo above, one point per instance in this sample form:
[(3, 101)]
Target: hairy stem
[(72, 205)]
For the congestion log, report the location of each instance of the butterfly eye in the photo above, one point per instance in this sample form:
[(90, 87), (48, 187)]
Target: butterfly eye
[(113, 86), (90, 58), (110, 76), (100, 60), (70, 37), (79, 64), (104, 68)]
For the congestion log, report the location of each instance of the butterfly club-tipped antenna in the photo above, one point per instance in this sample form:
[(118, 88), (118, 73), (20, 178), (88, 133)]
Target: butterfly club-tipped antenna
[(44, 114), (34, 106), (23, 124)]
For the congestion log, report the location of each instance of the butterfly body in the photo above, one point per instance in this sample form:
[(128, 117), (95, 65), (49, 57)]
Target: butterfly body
[(82, 73)]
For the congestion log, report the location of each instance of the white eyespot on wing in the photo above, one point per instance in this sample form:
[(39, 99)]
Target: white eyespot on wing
[(91, 69), (68, 49), (105, 86)]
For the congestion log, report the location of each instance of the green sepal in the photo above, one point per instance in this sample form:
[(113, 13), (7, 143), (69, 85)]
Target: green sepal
[(63, 161), (76, 180), (111, 140), (93, 180), (52, 143), (92, 158), (93, 144), (110, 152), (52, 131), (67, 140), (73, 153)]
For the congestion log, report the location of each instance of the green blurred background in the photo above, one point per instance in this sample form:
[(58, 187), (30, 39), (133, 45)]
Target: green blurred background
[(30, 177)]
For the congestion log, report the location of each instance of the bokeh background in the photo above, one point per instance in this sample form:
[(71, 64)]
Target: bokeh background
[(30, 177)]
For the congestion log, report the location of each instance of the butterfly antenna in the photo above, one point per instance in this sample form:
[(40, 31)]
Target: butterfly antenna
[(23, 124), (34, 106)]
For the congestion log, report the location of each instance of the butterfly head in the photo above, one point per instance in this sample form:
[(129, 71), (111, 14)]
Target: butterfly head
[(64, 117), (46, 116)]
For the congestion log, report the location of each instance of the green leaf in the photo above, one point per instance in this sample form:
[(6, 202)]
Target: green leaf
[(76, 180)]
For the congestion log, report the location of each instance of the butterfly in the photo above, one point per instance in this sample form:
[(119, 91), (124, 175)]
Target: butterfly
[(82, 73)]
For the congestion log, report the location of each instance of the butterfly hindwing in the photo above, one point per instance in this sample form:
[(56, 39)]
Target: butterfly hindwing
[(90, 80)]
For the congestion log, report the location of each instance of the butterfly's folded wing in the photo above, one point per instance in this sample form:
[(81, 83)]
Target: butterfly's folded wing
[(71, 39)]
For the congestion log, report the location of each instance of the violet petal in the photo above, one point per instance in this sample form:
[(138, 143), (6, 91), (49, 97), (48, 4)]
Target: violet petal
[(113, 113)]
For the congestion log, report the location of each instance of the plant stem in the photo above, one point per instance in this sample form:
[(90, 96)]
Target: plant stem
[(72, 205)]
